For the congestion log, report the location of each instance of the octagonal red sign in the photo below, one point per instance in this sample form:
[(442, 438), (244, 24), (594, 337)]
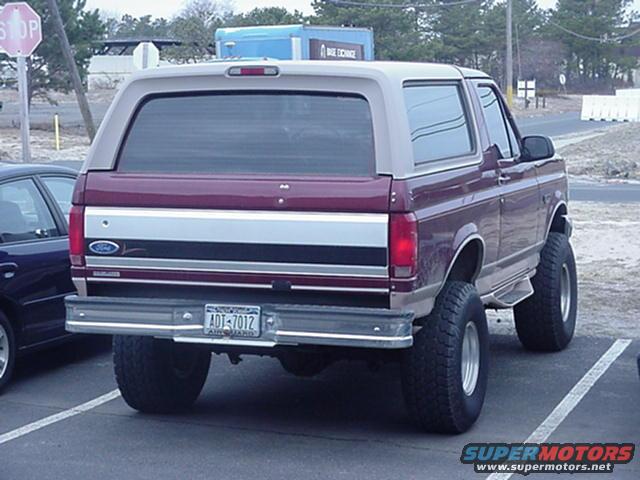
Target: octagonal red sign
[(20, 29)]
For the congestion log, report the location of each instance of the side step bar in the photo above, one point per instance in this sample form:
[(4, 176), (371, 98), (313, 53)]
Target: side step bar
[(507, 297)]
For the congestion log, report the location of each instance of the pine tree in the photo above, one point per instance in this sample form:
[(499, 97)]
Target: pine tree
[(589, 63), (396, 31)]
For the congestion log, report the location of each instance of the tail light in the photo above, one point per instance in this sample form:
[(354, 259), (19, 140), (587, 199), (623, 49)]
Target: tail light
[(403, 245), (76, 236), (253, 72)]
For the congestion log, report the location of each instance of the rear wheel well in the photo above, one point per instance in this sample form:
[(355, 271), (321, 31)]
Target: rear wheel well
[(467, 264)]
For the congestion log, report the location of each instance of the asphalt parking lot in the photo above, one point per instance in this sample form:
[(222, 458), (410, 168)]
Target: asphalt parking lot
[(255, 421)]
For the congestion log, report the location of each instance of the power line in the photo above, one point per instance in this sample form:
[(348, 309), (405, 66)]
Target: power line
[(349, 3), (595, 39)]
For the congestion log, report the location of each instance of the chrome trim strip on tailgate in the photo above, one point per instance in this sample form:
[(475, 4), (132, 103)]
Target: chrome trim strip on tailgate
[(237, 267), (265, 227), (234, 285), (340, 289)]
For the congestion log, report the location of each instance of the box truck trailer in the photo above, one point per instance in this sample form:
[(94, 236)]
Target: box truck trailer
[(295, 42)]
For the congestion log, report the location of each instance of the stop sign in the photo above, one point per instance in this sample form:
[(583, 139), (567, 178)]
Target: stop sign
[(20, 29)]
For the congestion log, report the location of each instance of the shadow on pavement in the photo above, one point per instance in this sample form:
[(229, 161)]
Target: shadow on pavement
[(77, 349), (347, 399)]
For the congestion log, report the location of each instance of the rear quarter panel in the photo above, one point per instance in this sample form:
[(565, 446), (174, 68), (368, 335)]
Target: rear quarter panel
[(452, 208)]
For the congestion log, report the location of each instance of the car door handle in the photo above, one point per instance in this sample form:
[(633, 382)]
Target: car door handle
[(8, 270), (502, 179)]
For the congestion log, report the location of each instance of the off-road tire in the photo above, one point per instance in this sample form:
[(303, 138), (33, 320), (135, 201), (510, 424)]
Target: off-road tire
[(539, 319), (431, 368), (303, 364), (10, 353), (150, 376)]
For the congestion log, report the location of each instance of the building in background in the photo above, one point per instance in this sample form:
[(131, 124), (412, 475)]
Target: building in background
[(113, 63)]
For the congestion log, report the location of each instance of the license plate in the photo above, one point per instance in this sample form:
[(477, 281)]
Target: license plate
[(231, 320)]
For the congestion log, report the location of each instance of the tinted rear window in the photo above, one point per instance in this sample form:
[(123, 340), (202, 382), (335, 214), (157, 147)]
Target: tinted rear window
[(251, 132)]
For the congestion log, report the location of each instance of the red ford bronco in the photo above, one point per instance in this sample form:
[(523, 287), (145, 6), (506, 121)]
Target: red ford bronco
[(315, 211)]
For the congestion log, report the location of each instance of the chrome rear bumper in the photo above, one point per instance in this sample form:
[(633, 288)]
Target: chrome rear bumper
[(183, 321)]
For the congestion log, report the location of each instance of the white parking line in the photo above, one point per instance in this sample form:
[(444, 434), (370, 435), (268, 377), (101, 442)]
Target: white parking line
[(58, 417), (571, 400)]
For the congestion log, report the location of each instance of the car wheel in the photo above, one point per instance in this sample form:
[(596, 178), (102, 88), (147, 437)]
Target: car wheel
[(7, 351), (159, 376), (546, 320), (444, 373)]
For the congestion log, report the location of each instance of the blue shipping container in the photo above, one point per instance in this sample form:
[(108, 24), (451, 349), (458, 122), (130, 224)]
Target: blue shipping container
[(295, 42)]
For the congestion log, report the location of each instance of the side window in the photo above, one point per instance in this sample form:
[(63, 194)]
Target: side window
[(438, 122), (23, 213), (62, 190), (495, 120)]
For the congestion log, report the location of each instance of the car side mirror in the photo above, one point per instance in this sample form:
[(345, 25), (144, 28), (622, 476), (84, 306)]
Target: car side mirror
[(537, 147)]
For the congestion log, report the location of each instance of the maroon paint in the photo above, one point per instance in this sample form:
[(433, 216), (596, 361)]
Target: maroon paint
[(450, 206), (246, 192)]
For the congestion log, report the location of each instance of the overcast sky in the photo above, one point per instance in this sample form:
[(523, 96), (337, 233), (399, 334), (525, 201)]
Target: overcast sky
[(168, 8)]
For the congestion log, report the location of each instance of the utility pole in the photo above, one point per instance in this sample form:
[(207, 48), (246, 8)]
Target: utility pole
[(73, 69), (509, 59)]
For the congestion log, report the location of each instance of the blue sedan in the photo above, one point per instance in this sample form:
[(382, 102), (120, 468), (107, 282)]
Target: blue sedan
[(34, 258)]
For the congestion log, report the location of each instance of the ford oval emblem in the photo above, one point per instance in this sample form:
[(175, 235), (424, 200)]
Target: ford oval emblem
[(104, 247)]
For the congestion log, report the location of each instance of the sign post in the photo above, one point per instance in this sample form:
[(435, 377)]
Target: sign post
[(20, 35), (23, 93)]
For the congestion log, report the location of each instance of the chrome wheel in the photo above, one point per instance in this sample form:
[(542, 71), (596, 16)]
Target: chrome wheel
[(4, 351), (565, 292), (470, 364)]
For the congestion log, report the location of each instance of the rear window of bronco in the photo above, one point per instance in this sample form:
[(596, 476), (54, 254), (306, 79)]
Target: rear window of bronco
[(251, 133)]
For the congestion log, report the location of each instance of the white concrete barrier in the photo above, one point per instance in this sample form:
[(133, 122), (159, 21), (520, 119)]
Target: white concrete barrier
[(628, 92), (588, 105), (634, 110), (619, 108)]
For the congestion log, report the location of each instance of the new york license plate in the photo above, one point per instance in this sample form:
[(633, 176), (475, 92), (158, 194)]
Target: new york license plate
[(231, 320)]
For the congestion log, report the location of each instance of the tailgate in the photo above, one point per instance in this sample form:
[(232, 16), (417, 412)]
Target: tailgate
[(186, 231)]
